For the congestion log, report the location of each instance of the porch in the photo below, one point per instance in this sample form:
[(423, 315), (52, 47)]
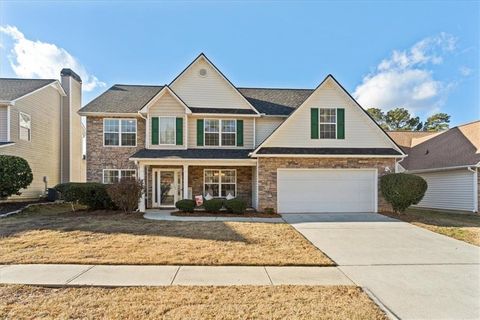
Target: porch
[(170, 180)]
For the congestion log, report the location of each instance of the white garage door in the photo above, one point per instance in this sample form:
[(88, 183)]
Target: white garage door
[(330, 190)]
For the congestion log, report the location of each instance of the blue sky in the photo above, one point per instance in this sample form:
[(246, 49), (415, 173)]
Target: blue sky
[(420, 55)]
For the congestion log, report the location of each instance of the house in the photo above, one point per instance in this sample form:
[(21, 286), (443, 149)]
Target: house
[(292, 150), (39, 122), (449, 161)]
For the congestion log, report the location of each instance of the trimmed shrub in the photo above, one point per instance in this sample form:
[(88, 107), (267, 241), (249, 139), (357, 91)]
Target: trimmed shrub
[(213, 205), (91, 194), (402, 190), (185, 205), (15, 174), (236, 205), (125, 194)]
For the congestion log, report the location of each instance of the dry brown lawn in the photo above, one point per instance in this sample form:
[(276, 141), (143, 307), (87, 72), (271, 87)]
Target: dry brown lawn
[(53, 234), (180, 302), (464, 227)]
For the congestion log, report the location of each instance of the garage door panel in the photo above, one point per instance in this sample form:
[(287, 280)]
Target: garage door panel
[(338, 190)]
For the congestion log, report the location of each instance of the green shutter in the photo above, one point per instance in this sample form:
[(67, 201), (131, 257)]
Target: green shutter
[(179, 133), (240, 133), (340, 123), (155, 130), (199, 132), (314, 123)]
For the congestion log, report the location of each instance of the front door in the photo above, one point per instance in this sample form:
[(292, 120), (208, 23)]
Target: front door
[(165, 189)]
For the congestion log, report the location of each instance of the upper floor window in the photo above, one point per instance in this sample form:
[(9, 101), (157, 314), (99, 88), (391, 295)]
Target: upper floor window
[(25, 127), (167, 130), (120, 132), (220, 132), (328, 123)]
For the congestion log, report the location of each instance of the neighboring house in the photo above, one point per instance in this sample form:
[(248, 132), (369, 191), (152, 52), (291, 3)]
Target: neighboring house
[(449, 161), (293, 150), (39, 122)]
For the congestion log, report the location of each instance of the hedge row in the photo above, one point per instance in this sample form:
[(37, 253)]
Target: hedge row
[(236, 205)]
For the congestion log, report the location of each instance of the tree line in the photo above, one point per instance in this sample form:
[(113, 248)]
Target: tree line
[(400, 119)]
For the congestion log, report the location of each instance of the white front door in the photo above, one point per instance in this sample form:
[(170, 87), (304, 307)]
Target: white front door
[(326, 190), (165, 187)]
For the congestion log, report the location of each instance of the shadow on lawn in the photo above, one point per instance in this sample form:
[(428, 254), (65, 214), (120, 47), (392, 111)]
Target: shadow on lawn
[(114, 222), (438, 218)]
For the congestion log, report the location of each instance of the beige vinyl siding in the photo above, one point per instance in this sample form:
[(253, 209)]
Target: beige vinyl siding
[(247, 131), (211, 91), (166, 106), (453, 189), (265, 126), (77, 172), (3, 123), (360, 130), (43, 151)]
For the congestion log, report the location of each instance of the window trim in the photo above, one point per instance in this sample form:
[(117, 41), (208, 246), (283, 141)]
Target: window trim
[(174, 132), (219, 181), (220, 120), (320, 124), (120, 133), (119, 173), (20, 126)]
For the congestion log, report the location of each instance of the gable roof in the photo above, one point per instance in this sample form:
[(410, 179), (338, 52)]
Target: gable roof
[(275, 101), (204, 57), (458, 146), (121, 98), (409, 139), (165, 89), (328, 77), (12, 89)]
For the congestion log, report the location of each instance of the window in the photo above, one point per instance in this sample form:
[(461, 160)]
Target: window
[(120, 132), (167, 130), (220, 132), (220, 183), (25, 127), (328, 123), (114, 175)]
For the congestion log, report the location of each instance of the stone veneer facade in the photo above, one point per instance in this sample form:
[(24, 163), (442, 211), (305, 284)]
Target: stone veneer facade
[(267, 174), (100, 157)]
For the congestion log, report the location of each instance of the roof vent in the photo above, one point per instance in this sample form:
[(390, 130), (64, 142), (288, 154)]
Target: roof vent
[(202, 72)]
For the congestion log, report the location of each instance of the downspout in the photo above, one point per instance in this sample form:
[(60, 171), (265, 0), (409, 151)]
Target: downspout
[(475, 187)]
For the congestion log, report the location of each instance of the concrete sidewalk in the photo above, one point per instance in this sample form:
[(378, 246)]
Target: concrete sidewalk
[(122, 275), (165, 215)]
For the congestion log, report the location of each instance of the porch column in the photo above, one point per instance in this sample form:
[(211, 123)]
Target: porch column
[(185, 181), (141, 177)]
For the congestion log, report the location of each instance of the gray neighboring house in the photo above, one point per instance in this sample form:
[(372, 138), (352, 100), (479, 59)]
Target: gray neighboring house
[(39, 122), (449, 161)]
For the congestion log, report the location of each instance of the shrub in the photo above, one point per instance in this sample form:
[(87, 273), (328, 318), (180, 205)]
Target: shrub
[(213, 205), (15, 174), (236, 205), (185, 205), (125, 194), (269, 210), (91, 194), (402, 190)]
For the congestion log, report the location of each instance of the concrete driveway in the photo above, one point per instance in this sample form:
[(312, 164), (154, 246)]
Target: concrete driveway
[(415, 273)]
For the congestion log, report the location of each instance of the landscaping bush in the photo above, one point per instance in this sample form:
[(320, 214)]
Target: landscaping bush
[(91, 194), (213, 205), (185, 205), (402, 190), (236, 205), (125, 194), (15, 174), (269, 210)]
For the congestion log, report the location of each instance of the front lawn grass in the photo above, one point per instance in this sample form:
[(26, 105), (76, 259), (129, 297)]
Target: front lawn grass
[(183, 302), (54, 234), (464, 227)]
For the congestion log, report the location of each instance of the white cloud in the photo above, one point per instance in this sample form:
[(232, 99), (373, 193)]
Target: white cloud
[(37, 59), (465, 71), (406, 79)]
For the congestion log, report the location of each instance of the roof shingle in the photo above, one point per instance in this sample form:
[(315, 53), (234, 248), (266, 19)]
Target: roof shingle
[(11, 89), (193, 154)]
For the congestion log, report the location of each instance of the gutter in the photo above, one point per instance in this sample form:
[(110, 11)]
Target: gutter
[(468, 167)]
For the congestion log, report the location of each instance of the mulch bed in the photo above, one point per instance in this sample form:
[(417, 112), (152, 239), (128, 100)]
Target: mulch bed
[(6, 207), (226, 214)]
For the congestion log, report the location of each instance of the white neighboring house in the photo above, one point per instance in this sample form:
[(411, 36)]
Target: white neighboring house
[(449, 161), (39, 122)]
